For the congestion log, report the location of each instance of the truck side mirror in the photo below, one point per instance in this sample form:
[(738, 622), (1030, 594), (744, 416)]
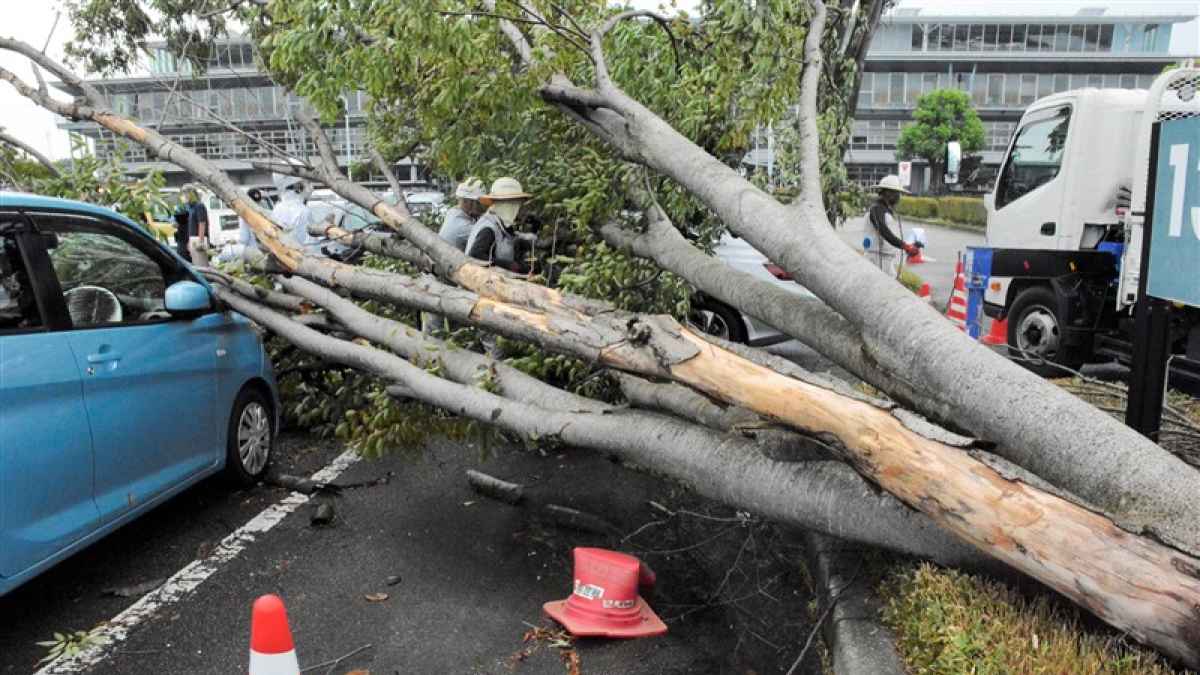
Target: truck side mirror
[(953, 160)]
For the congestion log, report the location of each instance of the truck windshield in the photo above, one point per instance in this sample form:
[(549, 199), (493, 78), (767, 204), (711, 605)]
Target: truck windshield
[(1036, 157)]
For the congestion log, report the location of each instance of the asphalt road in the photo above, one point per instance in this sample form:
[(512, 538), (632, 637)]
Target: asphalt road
[(468, 575), (941, 252)]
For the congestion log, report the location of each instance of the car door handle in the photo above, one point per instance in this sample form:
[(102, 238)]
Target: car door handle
[(1049, 228), (103, 357)]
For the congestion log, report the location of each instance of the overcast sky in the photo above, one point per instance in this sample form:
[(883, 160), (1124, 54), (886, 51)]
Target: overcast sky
[(20, 116)]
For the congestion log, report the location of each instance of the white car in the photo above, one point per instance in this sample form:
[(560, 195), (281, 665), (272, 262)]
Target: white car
[(717, 318)]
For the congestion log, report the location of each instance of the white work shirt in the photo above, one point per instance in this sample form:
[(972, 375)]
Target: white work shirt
[(456, 228), (294, 216)]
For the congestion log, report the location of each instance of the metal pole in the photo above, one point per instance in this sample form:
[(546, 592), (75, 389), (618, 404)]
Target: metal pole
[(1151, 337)]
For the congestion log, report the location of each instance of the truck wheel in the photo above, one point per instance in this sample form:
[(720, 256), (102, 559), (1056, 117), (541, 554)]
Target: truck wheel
[(718, 319), (1035, 336)]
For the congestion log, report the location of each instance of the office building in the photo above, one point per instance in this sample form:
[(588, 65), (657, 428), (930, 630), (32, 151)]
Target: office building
[(1005, 54), (231, 114)]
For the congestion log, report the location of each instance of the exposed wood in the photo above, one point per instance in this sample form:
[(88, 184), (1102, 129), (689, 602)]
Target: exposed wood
[(494, 488)]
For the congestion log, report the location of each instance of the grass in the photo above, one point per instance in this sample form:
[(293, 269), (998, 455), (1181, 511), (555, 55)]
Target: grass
[(948, 622)]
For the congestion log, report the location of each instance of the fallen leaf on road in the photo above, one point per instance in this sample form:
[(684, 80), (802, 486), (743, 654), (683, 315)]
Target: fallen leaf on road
[(134, 590), (376, 597)]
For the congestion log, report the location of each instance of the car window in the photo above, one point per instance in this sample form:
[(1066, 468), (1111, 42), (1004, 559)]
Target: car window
[(1036, 157), (18, 305), (105, 278)]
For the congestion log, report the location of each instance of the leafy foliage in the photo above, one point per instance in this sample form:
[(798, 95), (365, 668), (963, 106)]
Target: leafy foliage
[(942, 115), (71, 643)]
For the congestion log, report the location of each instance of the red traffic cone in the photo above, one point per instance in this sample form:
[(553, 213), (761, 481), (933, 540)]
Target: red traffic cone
[(957, 310), (925, 292), (998, 334), (605, 601), (917, 258), (271, 649)]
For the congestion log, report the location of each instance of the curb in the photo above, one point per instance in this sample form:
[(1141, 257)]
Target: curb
[(858, 642), (948, 224)]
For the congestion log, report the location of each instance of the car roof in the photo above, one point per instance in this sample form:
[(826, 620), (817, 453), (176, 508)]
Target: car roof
[(25, 200)]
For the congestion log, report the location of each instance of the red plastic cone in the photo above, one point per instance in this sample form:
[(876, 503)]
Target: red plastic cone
[(957, 310), (998, 334), (917, 258), (271, 649), (605, 601)]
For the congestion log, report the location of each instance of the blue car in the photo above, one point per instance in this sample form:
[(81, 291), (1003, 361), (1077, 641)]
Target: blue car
[(122, 381)]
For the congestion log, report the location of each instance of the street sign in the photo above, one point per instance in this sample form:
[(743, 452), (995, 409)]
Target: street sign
[(905, 173), (1174, 266)]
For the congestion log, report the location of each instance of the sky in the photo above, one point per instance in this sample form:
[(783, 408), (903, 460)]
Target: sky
[(18, 115)]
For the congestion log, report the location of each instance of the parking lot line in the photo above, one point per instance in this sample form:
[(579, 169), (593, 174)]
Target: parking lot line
[(188, 579)]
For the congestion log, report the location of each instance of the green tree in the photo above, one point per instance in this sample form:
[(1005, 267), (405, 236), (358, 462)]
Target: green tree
[(942, 115)]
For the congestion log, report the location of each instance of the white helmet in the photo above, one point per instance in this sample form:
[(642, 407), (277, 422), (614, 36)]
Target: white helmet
[(892, 182), (283, 181), (471, 188)]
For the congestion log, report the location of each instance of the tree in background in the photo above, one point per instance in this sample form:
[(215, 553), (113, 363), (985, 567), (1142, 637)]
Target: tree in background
[(942, 115)]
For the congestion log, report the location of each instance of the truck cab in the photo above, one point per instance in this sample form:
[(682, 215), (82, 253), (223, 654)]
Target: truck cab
[(1060, 267)]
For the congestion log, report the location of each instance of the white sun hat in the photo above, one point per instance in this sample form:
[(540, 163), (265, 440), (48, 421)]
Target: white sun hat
[(892, 182)]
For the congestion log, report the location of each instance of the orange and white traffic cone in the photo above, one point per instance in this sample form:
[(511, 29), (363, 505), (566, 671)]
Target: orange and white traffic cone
[(957, 310), (998, 334), (271, 649), (916, 258)]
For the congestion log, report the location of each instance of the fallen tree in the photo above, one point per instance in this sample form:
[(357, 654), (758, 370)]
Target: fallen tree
[(1134, 582)]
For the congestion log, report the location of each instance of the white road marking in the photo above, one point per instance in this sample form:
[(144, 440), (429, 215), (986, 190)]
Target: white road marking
[(188, 579)]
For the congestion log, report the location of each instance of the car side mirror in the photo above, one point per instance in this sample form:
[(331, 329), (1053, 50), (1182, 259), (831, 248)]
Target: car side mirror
[(187, 298)]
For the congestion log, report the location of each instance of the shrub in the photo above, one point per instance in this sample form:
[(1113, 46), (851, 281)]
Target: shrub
[(962, 210)]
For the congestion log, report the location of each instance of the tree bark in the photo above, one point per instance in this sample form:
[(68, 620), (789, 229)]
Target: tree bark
[(1088, 453)]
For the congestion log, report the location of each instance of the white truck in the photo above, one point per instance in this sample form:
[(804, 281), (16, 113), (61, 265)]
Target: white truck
[(1064, 227)]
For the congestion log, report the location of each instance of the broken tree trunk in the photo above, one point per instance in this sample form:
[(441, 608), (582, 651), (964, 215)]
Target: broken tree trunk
[(1133, 582)]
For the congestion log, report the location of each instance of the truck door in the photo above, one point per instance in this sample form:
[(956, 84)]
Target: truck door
[(1029, 196)]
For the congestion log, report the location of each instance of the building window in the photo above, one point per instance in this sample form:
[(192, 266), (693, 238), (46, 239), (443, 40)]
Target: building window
[(947, 37), (1045, 85), (1017, 43), (995, 92), (913, 90), (996, 37), (1028, 88), (1095, 81), (896, 93), (1149, 37), (864, 91), (1062, 38), (1076, 41), (975, 40), (1061, 83), (1112, 81), (978, 89), (918, 37), (1106, 38), (1012, 89), (961, 37)]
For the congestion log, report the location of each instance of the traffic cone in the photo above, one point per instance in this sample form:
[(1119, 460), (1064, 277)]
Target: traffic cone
[(997, 334), (925, 292), (271, 649), (957, 310), (605, 600), (917, 258)]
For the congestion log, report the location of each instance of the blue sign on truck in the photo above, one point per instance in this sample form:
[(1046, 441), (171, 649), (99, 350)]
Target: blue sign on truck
[(1174, 272)]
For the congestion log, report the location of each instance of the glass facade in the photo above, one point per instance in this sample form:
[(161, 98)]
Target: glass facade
[(230, 145), (882, 134), (987, 90), (1026, 37), (238, 104)]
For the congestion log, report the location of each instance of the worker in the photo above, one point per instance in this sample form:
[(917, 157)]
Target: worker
[(494, 238), (181, 225), (246, 242), (292, 212), (883, 249), (460, 219), (197, 227)]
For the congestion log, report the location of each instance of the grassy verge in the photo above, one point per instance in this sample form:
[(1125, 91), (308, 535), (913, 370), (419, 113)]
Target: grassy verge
[(948, 622)]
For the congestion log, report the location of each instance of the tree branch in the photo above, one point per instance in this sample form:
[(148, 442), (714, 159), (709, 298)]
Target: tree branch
[(810, 83), (31, 151)]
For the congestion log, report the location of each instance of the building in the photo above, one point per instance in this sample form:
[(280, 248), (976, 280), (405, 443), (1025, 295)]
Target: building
[(231, 114), (1005, 54)]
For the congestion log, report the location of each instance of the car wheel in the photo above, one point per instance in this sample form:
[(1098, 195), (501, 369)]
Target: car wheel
[(251, 437), (717, 319), (1035, 337)]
